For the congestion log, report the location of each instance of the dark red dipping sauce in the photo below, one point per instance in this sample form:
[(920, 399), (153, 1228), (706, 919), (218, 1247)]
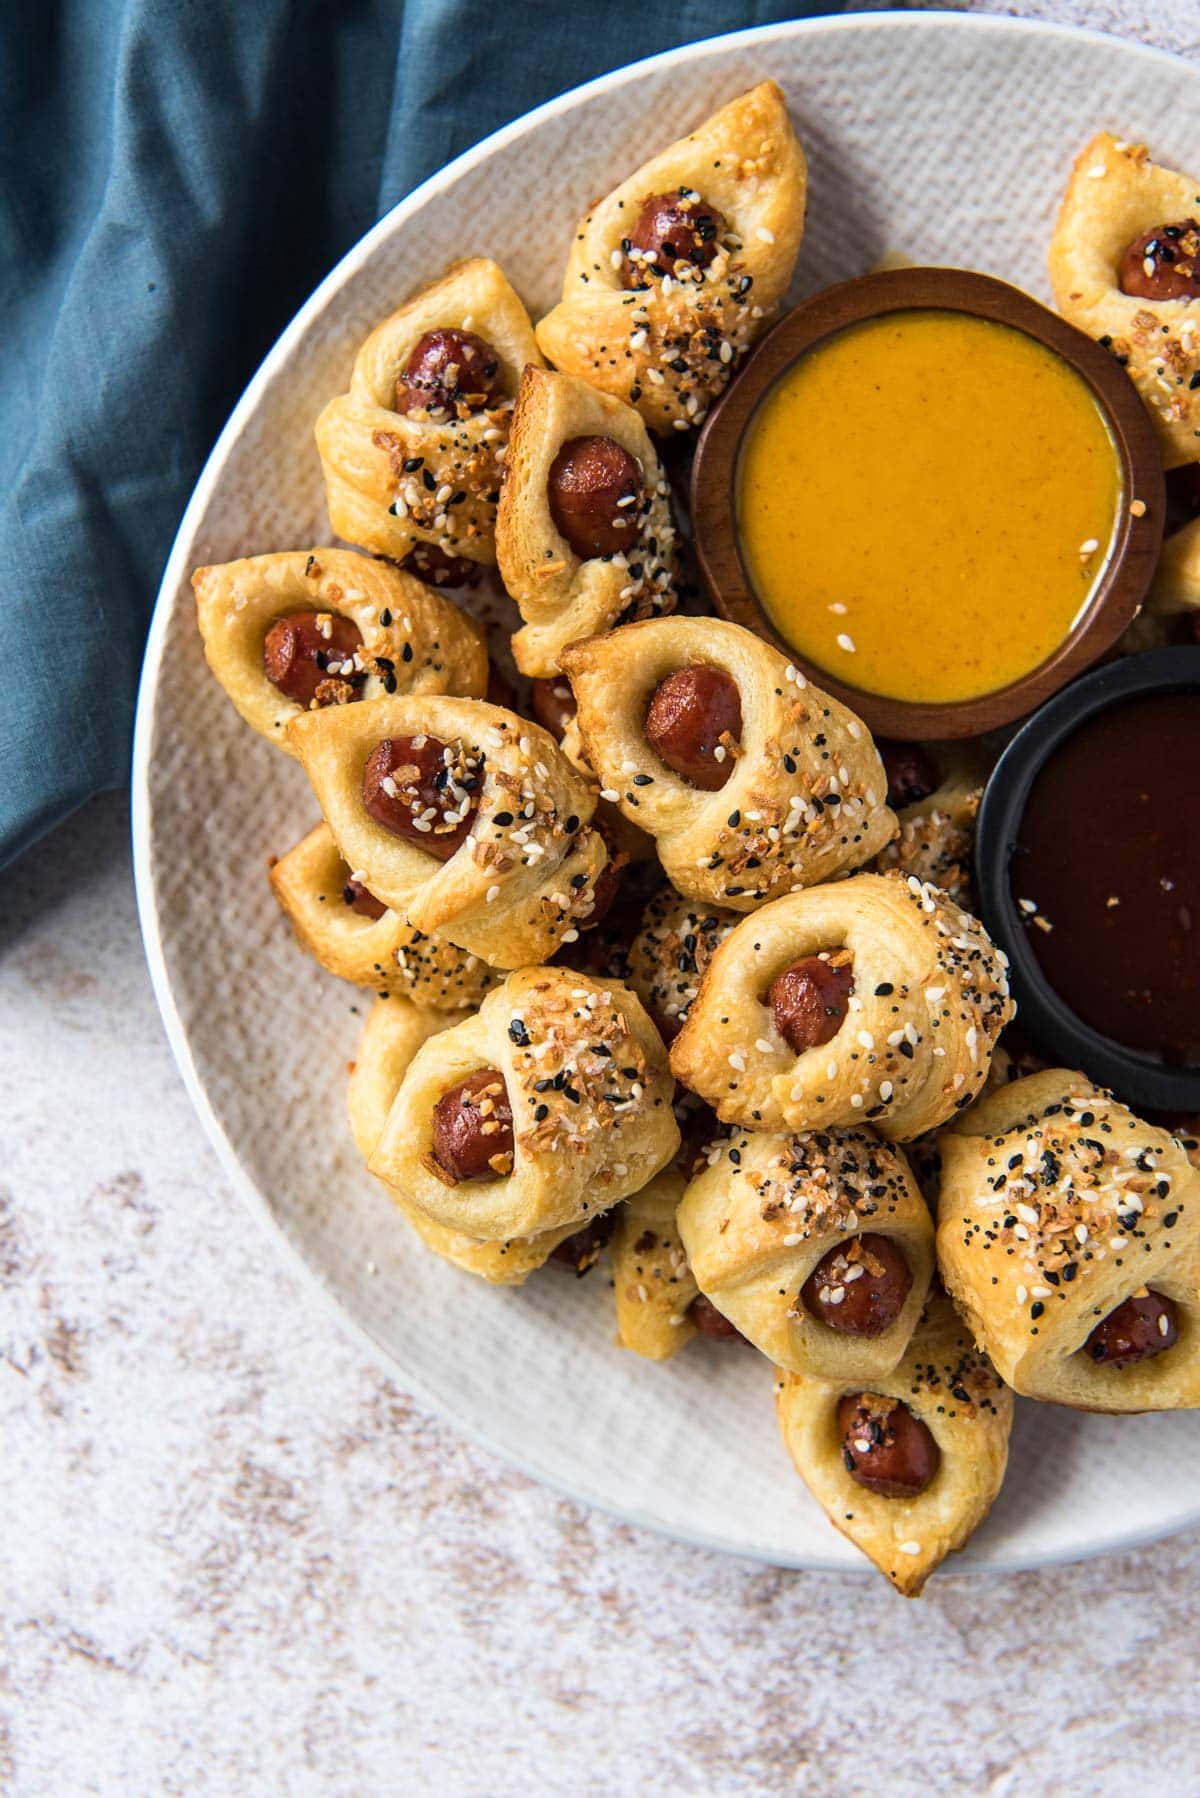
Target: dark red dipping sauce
[(1108, 851)]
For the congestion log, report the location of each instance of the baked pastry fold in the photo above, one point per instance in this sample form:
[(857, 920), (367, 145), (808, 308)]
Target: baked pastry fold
[(413, 639), (1176, 584), (937, 837), (767, 1208), (671, 950), (385, 953), (394, 480), (394, 1031), (806, 798), (563, 597), (1056, 1206), (1115, 195), (928, 1001), (951, 1388), (590, 1093), (653, 1285), (524, 878), (670, 346)]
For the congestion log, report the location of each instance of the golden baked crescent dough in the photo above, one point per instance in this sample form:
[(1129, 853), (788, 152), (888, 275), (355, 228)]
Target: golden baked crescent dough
[(667, 958), (524, 878), (590, 1092), (1116, 194), (394, 480), (670, 346), (562, 596), (1057, 1205), (807, 796), (394, 1031), (652, 1283), (937, 837), (928, 1001), (767, 1208), (385, 952), (413, 640), (953, 1390), (1176, 583)]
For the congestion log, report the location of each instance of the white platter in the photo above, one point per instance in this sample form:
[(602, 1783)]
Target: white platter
[(943, 137)]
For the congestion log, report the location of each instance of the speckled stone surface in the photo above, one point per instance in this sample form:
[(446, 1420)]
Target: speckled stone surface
[(239, 1560)]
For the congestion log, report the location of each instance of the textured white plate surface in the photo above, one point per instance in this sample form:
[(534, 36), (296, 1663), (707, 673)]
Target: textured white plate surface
[(944, 137)]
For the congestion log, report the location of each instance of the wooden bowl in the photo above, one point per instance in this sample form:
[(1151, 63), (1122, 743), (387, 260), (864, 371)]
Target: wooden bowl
[(1122, 585)]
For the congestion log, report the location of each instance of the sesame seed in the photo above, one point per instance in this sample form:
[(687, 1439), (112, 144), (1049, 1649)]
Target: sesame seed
[(846, 642)]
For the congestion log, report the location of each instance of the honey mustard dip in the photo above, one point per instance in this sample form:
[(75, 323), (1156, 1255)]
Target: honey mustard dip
[(925, 503)]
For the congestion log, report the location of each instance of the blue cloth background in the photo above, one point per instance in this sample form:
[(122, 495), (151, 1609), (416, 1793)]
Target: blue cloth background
[(175, 178)]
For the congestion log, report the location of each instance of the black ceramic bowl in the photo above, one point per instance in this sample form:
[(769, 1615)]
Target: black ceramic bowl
[(1135, 1077)]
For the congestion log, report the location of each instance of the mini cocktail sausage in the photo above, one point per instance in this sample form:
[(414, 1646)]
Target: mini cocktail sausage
[(885, 1448), (423, 790), (810, 999), (859, 1287), (694, 724), (1142, 1326), (448, 370), (593, 489), (472, 1128), (360, 900), (711, 1322), (310, 658), (1161, 264), (671, 228), (911, 774), (553, 704), (582, 1251), (437, 568)]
